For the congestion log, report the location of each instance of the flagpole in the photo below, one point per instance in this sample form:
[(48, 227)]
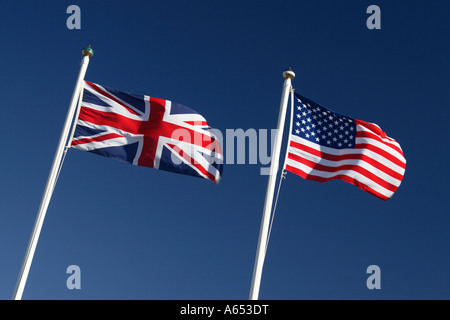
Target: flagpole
[(51, 181), (288, 75)]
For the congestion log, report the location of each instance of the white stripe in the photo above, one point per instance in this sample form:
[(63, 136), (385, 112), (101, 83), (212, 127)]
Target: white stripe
[(382, 146), (361, 163), (199, 159), (114, 108), (350, 173), (180, 120), (387, 139), (114, 142), (117, 108), (338, 152), (108, 129)]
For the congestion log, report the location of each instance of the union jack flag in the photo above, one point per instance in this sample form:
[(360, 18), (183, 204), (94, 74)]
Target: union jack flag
[(147, 131)]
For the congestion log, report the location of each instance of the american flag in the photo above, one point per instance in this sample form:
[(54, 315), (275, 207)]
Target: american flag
[(147, 131), (324, 145)]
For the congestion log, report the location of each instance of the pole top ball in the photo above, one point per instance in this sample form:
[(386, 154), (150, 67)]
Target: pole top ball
[(289, 74), (88, 51)]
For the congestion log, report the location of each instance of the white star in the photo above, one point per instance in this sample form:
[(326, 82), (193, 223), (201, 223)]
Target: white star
[(307, 135), (297, 124), (297, 131)]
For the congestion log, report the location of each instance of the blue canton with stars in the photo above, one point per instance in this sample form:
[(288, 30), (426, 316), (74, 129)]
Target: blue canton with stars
[(317, 124)]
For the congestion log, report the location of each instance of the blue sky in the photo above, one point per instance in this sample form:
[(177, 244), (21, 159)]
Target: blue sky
[(139, 233)]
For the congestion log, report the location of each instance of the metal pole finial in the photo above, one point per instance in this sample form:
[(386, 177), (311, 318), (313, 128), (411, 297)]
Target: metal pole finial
[(87, 51), (289, 74)]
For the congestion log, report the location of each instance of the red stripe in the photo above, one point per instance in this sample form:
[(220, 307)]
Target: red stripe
[(332, 157), (341, 177), (381, 152), (193, 162), (317, 166), (366, 134), (96, 139), (106, 94), (110, 119), (197, 123), (352, 156), (141, 127), (372, 127)]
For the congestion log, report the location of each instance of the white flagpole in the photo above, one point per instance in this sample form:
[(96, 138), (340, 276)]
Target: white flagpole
[(288, 75), (51, 181)]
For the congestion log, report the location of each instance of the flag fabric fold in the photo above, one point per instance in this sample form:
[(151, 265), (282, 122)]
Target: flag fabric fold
[(147, 131), (324, 145)]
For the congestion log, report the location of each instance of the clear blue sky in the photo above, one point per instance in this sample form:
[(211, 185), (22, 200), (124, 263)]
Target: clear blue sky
[(139, 233)]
